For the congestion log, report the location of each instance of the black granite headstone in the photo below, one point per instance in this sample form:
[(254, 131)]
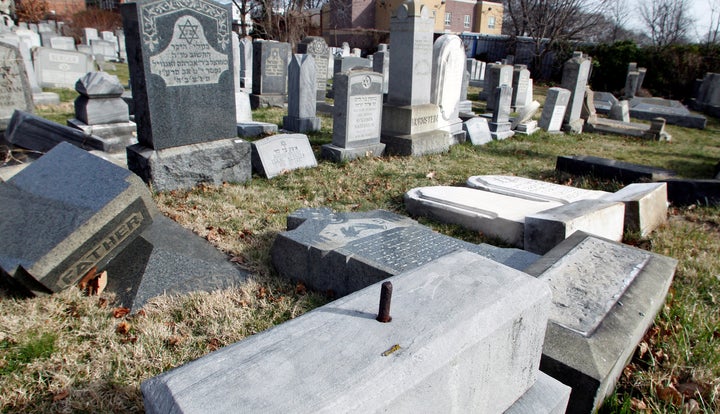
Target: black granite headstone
[(625, 172)]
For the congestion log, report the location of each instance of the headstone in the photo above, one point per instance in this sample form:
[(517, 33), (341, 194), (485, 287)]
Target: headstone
[(605, 297), (492, 367), (477, 130), (446, 87), (29, 37), (63, 43), (38, 96), (346, 63), (588, 113), (674, 112), (183, 90), (356, 117), (86, 49), (532, 189), (500, 127), (281, 153), (356, 52), (465, 105), (409, 121), (270, 73), (575, 77), (318, 49), (47, 37), (246, 127), (345, 252), (65, 213), (620, 111), (523, 123), (56, 68), (122, 51), (104, 48), (604, 102), (708, 96), (641, 78), (496, 75), (476, 68), (554, 111), (345, 49), (631, 84), (101, 111), (246, 63), (520, 85), (687, 191), (381, 64), (89, 33), (646, 206), (622, 171), (302, 94), (15, 92)]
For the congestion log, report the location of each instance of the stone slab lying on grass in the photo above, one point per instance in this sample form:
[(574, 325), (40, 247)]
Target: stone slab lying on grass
[(685, 191), (466, 332), (645, 206), (252, 129), (274, 155), (547, 395), (674, 112), (624, 172), (65, 213), (532, 189), (495, 215), (168, 259), (116, 137), (345, 252), (477, 130), (605, 296)]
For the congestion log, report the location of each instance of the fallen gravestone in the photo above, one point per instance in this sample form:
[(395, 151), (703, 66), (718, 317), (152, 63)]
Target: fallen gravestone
[(685, 192), (14, 84), (274, 155), (477, 130), (491, 314), (345, 252), (605, 296), (604, 101), (645, 206), (674, 112), (65, 213), (532, 189), (625, 172)]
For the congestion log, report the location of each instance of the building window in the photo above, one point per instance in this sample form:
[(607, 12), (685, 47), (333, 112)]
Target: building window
[(448, 19), (467, 21), (491, 22)]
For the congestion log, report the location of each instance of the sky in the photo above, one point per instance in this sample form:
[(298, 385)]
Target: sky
[(701, 11)]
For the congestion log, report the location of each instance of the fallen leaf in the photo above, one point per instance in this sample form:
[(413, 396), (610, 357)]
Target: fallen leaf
[(643, 347), (669, 394), (120, 312), (300, 289), (141, 312), (102, 303), (691, 389), (214, 344), (261, 293), (97, 285), (61, 395), (430, 175), (173, 341), (237, 259), (638, 405), (129, 339), (90, 275), (122, 328)]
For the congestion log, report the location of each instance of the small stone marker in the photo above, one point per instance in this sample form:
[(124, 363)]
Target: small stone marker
[(532, 189), (274, 155), (624, 172), (620, 111), (356, 117), (477, 130), (575, 77), (302, 93), (318, 49), (492, 367), (57, 68), (605, 296), (65, 213), (554, 111), (523, 123), (14, 84), (345, 252), (270, 73)]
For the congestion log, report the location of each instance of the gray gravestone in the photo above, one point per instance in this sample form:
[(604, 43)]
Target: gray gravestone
[(89, 33), (477, 130), (65, 213), (446, 87), (180, 63), (346, 63), (575, 77), (554, 110), (270, 73), (520, 84), (246, 63), (604, 101), (104, 48), (631, 84), (280, 153), (63, 43), (122, 52), (524, 122), (496, 75), (674, 112), (345, 252), (318, 49), (302, 93), (56, 68), (15, 92), (620, 111), (356, 117), (500, 126), (381, 64)]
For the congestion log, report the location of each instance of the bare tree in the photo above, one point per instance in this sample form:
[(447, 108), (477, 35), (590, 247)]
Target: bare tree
[(713, 33), (551, 22), (668, 21), (619, 14)]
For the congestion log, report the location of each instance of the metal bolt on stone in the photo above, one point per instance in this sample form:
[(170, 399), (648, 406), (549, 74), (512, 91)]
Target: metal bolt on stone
[(385, 297)]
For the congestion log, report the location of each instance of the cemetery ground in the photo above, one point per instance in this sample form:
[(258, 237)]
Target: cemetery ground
[(75, 353)]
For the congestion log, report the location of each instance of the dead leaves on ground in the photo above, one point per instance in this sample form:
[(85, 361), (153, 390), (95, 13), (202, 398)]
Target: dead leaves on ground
[(93, 284)]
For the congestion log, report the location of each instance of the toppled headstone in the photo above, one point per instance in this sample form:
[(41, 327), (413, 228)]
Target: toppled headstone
[(674, 112), (605, 296), (655, 131), (625, 172), (345, 252), (14, 84), (280, 153), (524, 122), (645, 206), (685, 192), (604, 101), (65, 213), (554, 110), (575, 76), (490, 314), (532, 189), (477, 130)]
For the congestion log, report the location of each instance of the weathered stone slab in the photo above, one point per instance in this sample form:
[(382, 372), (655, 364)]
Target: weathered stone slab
[(318, 49), (546, 229), (574, 79), (274, 155), (57, 68), (553, 113), (655, 131), (605, 296), (674, 112), (645, 206), (346, 252), (547, 395), (624, 172), (65, 213), (15, 92), (168, 259), (604, 101), (477, 130), (62, 43), (532, 189), (685, 192), (302, 94), (490, 314), (116, 137)]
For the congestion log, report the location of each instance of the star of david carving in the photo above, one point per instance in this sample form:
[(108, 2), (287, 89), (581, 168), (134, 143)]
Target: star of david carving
[(188, 31)]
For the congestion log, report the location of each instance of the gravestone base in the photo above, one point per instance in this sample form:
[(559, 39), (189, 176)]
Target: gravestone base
[(339, 154), (186, 166), (324, 108), (574, 127), (410, 119), (500, 130), (256, 129), (114, 137), (431, 142), (465, 106), (267, 100), (46, 98), (301, 125), (645, 206), (527, 128)]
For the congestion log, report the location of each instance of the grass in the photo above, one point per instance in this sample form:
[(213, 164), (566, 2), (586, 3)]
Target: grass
[(72, 353)]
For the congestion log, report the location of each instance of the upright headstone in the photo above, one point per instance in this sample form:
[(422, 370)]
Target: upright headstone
[(620, 111), (122, 52), (104, 48), (575, 77), (181, 73), (63, 43), (631, 84), (246, 63), (89, 33), (381, 64), (554, 110), (409, 119), (356, 117), (56, 68), (302, 93), (30, 37), (15, 92), (497, 75), (500, 126), (318, 49), (270, 71), (448, 70), (520, 84), (641, 78), (345, 49)]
